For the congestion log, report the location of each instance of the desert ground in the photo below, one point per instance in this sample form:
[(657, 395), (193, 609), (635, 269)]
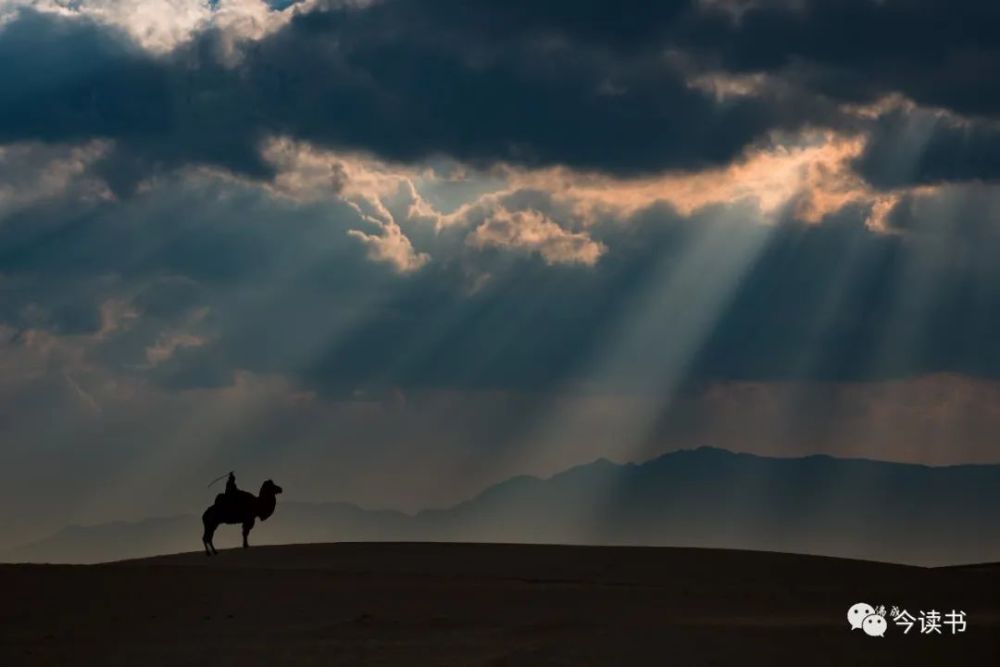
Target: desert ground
[(486, 604)]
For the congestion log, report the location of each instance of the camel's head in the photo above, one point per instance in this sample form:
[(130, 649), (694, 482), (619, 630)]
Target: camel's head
[(267, 499)]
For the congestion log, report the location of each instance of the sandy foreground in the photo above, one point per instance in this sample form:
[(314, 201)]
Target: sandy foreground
[(487, 604)]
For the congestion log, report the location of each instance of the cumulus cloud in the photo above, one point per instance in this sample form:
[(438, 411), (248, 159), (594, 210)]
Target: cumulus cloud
[(531, 231), (170, 341), (32, 172), (166, 345), (161, 26), (391, 246), (305, 172), (810, 174)]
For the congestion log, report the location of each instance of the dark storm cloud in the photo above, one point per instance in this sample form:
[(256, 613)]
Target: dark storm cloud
[(936, 52), (594, 85), (408, 90), (588, 84), (913, 147), (402, 79), (68, 79)]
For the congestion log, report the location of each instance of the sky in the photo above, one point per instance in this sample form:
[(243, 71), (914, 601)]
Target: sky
[(394, 251)]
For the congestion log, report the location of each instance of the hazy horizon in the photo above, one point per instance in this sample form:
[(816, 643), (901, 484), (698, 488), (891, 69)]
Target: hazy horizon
[(703, 497)]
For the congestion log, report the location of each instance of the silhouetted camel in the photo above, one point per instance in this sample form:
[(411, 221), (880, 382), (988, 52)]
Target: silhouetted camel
[(239, 507)]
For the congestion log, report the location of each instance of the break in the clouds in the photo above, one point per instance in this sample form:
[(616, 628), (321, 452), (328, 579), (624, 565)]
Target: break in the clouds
[(374, 241)]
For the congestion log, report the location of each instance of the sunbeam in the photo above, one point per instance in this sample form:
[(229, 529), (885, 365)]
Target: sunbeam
[(646, 353)]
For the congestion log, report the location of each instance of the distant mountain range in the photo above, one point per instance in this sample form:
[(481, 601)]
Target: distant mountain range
[(704, 497)]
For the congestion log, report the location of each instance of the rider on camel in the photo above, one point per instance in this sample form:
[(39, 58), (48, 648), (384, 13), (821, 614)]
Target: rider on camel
[(231, 489)]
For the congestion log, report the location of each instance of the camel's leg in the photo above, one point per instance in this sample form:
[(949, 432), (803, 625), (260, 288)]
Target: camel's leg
[(206, 538), (247, 527)]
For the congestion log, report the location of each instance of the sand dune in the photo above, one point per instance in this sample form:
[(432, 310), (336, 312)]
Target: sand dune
[(485, 604)]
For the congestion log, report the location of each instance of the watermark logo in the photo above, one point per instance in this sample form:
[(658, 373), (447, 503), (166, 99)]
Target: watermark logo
[(857, 614), (874, 621), (874, 625)]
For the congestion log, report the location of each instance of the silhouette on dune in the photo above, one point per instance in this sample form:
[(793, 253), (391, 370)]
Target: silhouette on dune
[(238, 507)]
